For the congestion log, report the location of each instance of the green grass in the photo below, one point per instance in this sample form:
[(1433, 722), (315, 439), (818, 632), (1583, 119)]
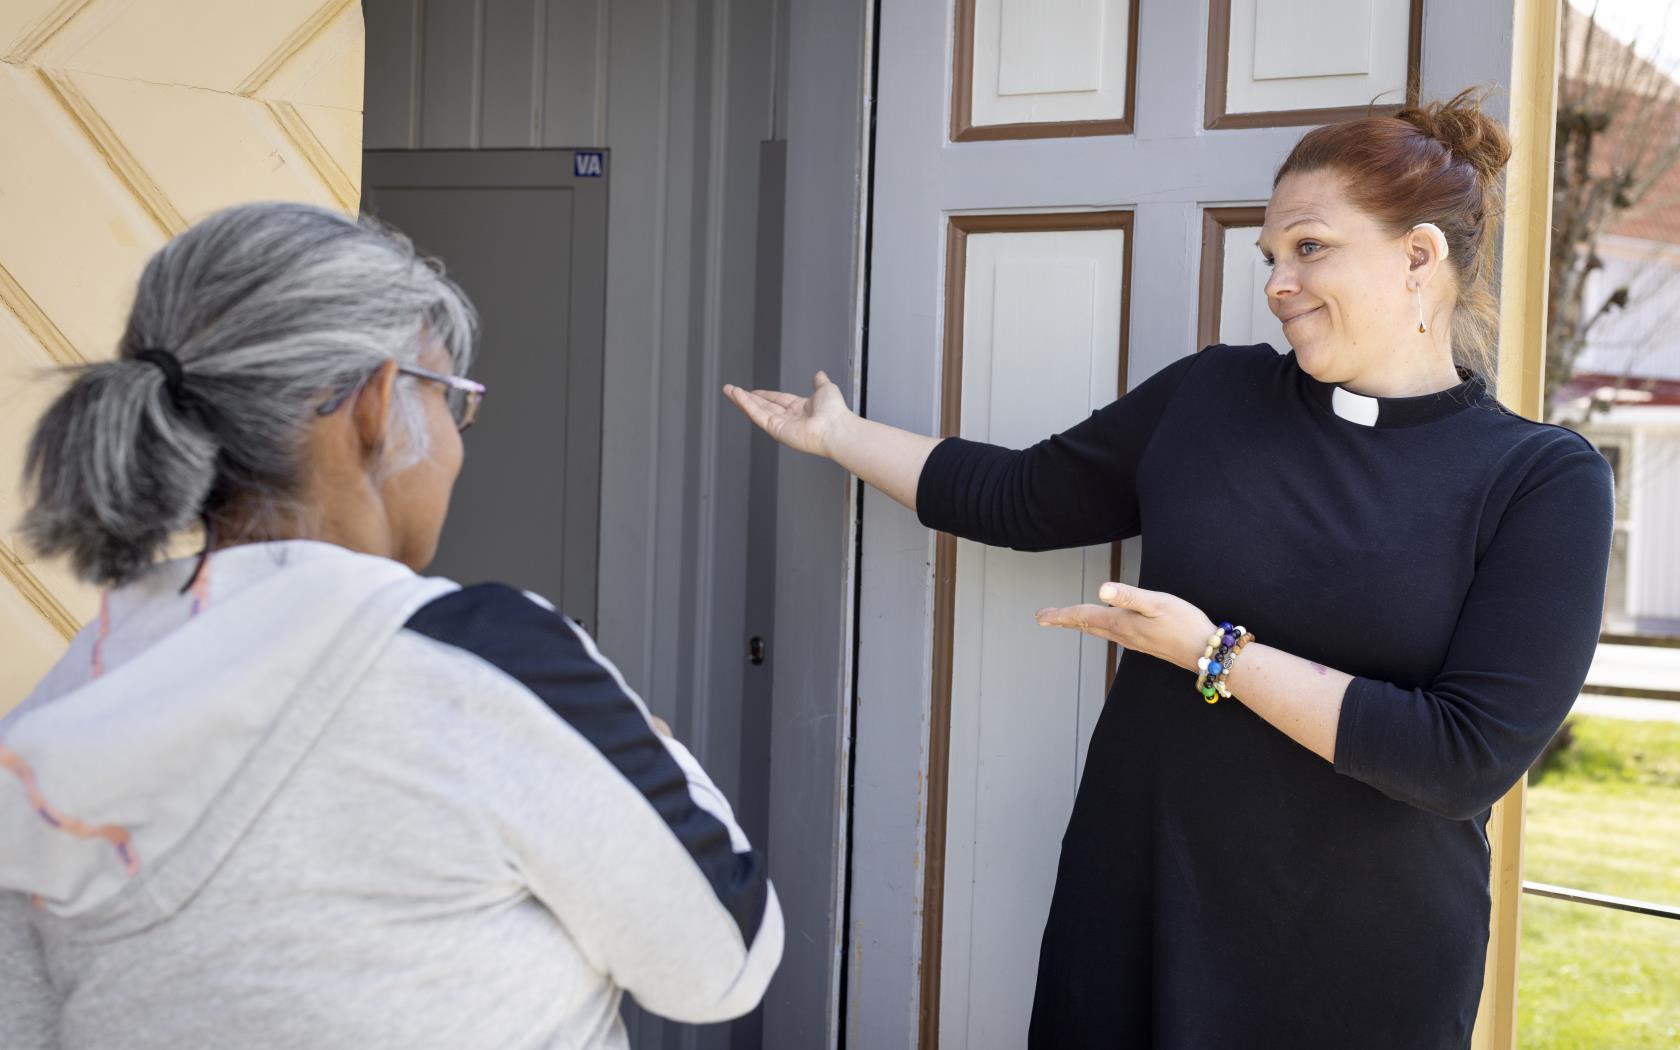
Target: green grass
[(1603, 815)]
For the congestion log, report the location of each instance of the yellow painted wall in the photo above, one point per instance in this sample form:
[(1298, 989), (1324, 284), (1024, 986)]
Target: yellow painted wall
[(122, 121)]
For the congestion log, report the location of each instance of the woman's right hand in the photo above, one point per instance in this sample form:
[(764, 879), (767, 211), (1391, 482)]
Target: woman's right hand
[(805, 424), (886, 457)]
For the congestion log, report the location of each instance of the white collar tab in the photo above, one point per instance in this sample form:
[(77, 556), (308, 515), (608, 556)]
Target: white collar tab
[(1355, 408)]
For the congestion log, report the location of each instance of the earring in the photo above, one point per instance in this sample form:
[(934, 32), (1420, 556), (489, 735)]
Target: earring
[(1422, 328)]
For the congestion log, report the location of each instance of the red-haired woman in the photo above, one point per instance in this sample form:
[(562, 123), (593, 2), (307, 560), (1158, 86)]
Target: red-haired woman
[(1406, 579)]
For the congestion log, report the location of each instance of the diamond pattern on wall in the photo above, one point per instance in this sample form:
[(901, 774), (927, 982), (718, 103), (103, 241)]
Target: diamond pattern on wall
[(125, 120)]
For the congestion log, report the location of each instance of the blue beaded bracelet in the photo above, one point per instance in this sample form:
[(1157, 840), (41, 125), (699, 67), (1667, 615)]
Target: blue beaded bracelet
[(1214, 667)]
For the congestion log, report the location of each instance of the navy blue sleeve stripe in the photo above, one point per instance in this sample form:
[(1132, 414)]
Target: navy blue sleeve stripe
[(539, 649)]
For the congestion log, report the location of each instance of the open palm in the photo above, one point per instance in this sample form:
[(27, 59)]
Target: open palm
[(801, 423)]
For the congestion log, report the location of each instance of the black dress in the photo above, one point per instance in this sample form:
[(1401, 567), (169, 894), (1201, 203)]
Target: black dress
[(1220, 886)]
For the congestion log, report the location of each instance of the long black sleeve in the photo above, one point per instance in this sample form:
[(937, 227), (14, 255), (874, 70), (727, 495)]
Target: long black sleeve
[(1518, 657), (1071, 490)]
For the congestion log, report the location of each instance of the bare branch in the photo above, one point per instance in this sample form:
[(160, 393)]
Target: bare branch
[(1617, 165)]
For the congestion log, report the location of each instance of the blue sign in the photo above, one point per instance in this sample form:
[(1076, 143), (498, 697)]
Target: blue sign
[(588, 165)]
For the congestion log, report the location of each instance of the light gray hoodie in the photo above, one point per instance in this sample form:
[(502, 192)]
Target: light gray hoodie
[(320, 801)]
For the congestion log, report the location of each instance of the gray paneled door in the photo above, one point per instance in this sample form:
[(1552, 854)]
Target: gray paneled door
[(1043, 176), (524, 232)]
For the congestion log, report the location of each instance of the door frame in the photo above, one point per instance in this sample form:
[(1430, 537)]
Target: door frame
[(1524, 273)]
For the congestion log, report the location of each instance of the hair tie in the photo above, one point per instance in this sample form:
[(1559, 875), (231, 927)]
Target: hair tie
[(174, 376)]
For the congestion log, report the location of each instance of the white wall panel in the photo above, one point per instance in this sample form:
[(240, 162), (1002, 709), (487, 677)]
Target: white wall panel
[(1051, 49), (1043, 61), (1654, 560), (1244, 317), (1316, 54), (1041, 351), (1340, 42)]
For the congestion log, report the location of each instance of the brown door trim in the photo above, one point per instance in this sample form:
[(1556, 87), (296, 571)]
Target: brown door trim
[(1210, 295)]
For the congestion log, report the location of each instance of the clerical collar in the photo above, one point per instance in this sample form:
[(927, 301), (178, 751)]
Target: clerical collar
[(1367, 411)]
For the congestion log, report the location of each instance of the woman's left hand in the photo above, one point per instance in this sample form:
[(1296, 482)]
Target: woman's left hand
[(1154, 622)]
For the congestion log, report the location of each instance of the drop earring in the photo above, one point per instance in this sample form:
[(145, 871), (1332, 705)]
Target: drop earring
[(1441, 247)]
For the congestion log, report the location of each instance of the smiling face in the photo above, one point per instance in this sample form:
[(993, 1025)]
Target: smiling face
[(1344, 287)]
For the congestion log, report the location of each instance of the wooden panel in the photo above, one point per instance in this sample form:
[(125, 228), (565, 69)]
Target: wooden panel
[(209, 44), (24, 24), (31, 645), (1048, 69), (273, 161), (324, 70), (1037, 308), (136, 116), (1281, 63), (73, 209), (27, 385)]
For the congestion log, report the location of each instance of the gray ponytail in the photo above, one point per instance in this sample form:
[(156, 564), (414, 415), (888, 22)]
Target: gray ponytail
[(270, 309)]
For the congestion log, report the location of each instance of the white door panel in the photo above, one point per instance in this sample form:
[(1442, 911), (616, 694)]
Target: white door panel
[(1041, 350), (1244, 317)]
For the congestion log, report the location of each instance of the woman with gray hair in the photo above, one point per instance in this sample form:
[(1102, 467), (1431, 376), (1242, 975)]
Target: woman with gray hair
[(289, 792)]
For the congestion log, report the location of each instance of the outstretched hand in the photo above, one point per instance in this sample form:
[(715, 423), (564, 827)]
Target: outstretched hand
[(804, 424), (1154, 622)]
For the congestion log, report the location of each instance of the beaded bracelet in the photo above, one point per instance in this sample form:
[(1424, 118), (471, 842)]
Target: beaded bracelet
[(1224, 646)]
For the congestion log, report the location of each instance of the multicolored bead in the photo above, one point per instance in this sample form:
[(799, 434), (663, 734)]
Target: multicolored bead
[(1214, 667)]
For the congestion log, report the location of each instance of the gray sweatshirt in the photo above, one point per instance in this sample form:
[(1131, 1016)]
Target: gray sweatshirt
[(324, 802)]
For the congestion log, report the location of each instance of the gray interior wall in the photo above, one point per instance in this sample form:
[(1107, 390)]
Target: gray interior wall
[(684, 94), (826, 119), (689, 88), (724, 559), (681, 94), (1167, 171), (472, 74)]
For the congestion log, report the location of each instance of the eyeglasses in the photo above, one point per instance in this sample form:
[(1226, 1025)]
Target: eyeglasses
[(463, 395)]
